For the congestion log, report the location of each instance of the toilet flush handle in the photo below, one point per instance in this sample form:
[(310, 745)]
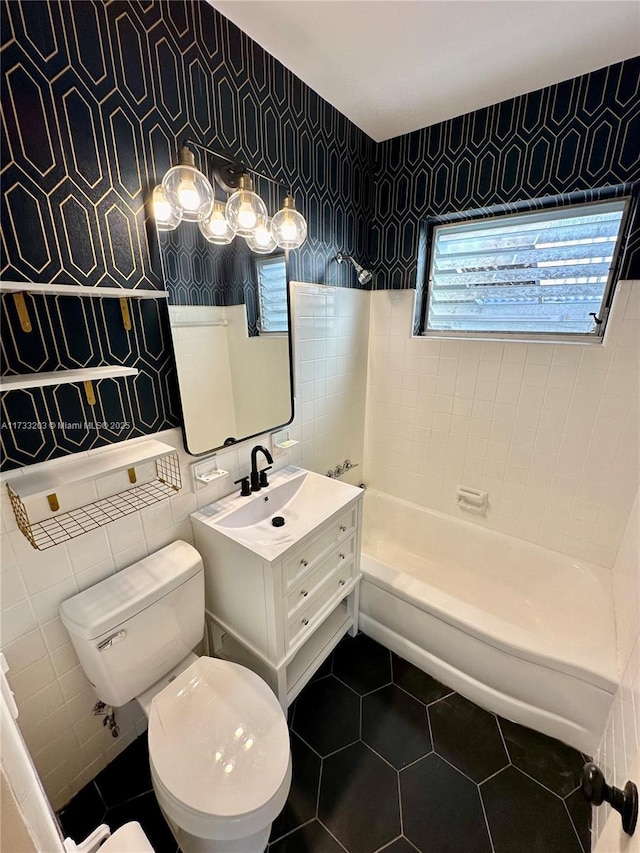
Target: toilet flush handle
[(112, 640)]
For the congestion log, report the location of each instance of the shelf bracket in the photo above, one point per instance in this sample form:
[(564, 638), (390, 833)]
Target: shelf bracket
[(88, 390), (132, 475), (126, 316), (23, 312), (54, 504)]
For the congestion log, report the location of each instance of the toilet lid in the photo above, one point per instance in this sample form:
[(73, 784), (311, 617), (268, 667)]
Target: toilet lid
[(218, 739)]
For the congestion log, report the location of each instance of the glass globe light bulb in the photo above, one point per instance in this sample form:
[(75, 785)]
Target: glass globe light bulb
[(261, 241), (215, 228), (188, 189), (188, 194), (247, 218), (288, 226), (245, 209), (167, 217)]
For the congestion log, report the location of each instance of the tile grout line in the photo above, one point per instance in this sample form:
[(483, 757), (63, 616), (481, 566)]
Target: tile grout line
[(538, 782), (400, 803), (573, 826), (337, 840), (291, 831), (486, 820), (457, 769)]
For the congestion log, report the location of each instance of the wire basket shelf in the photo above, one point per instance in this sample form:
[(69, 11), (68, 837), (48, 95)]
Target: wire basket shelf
[(61, 528)]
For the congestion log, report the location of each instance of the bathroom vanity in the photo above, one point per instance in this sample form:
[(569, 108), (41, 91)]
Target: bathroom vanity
[(282, 575)]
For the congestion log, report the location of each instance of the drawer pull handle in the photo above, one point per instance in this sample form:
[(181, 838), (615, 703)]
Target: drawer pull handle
[(304, 563), (343, 528), (342, 556), (304, 593), (305, 621), (342, 582)]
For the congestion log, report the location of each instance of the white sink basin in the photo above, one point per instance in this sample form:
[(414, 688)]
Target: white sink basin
[(302, 498), (264, 504)]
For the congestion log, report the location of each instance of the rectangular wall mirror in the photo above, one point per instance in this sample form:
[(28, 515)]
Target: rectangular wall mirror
[(230, 325)]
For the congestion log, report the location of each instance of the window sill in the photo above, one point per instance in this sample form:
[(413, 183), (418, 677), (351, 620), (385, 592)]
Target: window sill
[(579, 340)]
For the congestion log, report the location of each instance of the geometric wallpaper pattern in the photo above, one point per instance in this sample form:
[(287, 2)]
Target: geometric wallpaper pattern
[(577, 135), (96, 99)]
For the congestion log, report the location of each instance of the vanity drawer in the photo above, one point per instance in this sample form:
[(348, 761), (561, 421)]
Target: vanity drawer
[(306, 586), (303, 617), (306, 558)]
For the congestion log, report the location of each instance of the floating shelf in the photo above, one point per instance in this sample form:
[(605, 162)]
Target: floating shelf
[(61, 528), (62, 377), (19, 288), (80, 290), (81, 470)]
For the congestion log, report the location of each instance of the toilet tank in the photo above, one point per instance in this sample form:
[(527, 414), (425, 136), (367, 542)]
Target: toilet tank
[(132, 628)]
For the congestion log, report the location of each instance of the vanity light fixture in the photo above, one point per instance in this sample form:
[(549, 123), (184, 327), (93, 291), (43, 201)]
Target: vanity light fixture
[(245, 210), (216, 228), (166, 215), (187, 189), (187, 194), (262, 240), (289, 227)]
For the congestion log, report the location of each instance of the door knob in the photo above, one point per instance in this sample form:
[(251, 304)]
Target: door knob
[(624, 801)]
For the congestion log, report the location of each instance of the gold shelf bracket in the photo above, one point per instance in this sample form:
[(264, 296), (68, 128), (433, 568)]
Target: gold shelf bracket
[(132, 475), (54, 504), (90, 393), (126, 316), (23, 312)]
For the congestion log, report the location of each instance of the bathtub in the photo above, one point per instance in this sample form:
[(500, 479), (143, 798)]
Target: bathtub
[(521, 630)]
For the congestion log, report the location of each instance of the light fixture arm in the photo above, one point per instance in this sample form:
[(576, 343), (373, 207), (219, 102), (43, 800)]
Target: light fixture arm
[(228, 170)]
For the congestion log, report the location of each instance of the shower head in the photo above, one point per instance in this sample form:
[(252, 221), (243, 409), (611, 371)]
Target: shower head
[(364, 276)]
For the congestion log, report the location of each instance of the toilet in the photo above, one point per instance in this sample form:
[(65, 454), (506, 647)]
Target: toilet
[(218, 740)]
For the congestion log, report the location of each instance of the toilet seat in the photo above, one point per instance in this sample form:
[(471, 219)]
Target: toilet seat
[(219, 750)]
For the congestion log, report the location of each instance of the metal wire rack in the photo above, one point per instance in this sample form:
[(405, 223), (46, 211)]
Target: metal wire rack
[(53, 531)]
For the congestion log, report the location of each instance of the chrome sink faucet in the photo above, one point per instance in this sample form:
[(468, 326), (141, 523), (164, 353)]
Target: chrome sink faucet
[(259, 478)]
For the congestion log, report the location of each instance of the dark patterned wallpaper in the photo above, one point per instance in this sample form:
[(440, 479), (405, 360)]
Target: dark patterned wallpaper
[(96, 98), (578, 135)]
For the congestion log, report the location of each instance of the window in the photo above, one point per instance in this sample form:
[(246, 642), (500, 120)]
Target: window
[(272, 293), (542, 272)]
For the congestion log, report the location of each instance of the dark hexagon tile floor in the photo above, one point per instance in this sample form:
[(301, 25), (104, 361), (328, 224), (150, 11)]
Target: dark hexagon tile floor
[(386, 760)]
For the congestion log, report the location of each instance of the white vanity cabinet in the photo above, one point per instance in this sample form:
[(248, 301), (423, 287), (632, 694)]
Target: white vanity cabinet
[(281, 608)]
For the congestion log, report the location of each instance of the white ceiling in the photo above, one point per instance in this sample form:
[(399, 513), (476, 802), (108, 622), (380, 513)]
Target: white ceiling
[(393, 66)]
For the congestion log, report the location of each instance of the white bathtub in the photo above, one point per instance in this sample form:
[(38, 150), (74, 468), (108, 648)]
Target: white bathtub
[(522, 630)]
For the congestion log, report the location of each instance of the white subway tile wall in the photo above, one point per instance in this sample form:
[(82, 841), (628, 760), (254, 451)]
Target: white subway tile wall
[(331, 332), (549, 430), (619, 750), (68, 744)]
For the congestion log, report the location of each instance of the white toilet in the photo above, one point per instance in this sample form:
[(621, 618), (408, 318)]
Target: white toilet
[(218, 738)]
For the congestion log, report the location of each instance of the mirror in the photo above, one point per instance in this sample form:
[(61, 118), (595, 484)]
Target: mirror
[(229, 316)]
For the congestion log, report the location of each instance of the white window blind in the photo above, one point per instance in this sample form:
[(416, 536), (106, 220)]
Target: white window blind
[(538, 272), (272, 290)]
